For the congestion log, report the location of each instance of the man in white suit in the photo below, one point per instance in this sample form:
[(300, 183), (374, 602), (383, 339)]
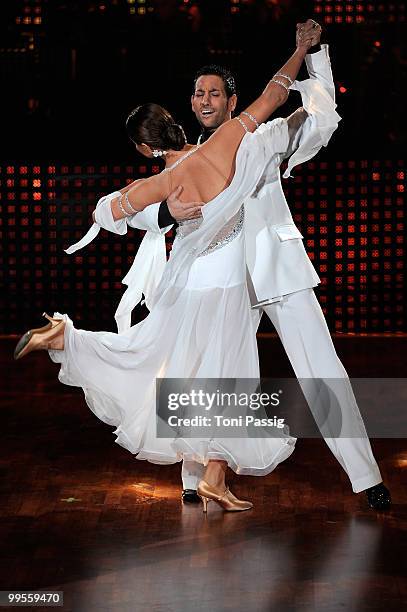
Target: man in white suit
[(280, 275)]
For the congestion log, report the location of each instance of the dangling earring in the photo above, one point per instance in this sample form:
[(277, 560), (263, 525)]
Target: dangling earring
[(159, 153)]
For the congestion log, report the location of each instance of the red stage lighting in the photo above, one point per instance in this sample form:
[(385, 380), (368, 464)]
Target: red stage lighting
[(351, 214)]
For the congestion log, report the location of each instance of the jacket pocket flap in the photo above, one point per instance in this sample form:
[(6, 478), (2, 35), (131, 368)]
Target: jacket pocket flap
[(288, 232)]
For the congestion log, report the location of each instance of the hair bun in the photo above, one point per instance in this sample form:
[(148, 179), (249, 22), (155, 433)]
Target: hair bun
[(175, 137), (152, 124)]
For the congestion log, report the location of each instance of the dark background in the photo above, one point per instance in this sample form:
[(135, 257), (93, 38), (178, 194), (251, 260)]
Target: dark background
[(91, 62), (71, 72)]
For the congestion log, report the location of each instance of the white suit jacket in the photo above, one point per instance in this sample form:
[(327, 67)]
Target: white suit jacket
[(277, 262)]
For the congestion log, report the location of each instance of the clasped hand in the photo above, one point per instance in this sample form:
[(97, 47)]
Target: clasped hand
[(308, 34)]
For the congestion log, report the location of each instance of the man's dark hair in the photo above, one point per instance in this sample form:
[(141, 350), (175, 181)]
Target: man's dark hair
[(225, 74)]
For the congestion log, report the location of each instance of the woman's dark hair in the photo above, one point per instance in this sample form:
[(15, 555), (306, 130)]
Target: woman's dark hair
[(152, 124)]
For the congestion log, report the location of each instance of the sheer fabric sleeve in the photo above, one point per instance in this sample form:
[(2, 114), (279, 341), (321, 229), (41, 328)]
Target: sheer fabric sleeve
[(274, 136), (320, 122), (301, 136), (144, 193), (105, 220)]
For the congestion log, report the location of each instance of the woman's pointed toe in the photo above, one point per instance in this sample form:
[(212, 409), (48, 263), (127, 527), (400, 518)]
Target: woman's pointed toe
[(40, 338)]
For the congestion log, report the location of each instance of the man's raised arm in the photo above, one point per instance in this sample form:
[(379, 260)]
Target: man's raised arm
[(319, 68)]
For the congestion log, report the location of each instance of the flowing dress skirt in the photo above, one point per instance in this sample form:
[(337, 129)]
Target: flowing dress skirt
[(205, 332), (200, 324)]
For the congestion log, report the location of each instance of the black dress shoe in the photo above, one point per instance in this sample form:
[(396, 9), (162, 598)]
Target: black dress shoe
[(378, 497), (190, 496)]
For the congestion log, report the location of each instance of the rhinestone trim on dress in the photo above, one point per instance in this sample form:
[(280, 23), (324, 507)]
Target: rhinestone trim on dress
[(228, 233), (181, 159), (218, 244)]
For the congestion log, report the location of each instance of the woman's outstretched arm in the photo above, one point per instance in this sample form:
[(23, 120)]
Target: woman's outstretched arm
[(123, 191), (221, 147), (140, 194)]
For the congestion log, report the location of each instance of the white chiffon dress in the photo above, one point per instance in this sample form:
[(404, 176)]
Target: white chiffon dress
[(200, 324)]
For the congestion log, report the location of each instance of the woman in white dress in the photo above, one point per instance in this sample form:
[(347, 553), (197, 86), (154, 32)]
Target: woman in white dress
[(199, 324)]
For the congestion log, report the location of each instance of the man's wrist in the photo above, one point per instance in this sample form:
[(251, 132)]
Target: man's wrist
[(301, 51), (164, 216)]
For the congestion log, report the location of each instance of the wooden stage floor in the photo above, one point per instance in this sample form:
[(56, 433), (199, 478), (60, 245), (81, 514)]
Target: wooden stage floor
[(81, 515)]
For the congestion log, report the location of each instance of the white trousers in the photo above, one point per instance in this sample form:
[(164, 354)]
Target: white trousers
[(301, 326)]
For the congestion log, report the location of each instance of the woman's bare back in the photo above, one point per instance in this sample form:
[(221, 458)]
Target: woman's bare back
[(204, 172)]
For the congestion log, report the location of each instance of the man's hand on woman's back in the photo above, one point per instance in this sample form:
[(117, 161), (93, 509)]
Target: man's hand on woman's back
[(183, 210)]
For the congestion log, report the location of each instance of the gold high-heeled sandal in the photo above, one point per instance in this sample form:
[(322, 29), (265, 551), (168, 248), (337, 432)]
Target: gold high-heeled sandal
[(39, 338), (225, 499)]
